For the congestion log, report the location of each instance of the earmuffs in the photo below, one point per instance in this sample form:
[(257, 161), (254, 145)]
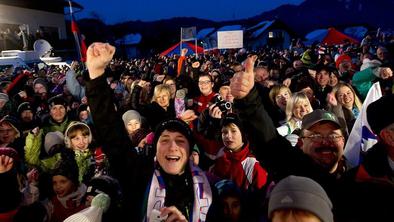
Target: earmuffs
[(67, 140)]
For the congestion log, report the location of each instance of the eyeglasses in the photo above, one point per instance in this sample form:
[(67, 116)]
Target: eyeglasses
[(318, 138), (204, 82)]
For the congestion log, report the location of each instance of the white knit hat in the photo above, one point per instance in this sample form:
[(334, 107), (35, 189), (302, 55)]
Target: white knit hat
[(94, 213)]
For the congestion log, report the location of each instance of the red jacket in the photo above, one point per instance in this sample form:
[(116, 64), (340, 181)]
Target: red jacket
[(201, 102), (241, 167)]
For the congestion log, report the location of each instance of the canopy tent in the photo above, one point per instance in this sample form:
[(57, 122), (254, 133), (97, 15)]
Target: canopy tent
[(176, 50), (335, 37), (358, 32), (315, 36)]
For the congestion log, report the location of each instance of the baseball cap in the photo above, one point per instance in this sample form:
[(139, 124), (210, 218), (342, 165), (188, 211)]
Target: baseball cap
[(317, 116)]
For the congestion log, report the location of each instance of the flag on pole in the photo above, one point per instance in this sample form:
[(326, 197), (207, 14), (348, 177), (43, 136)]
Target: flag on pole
[(188, 34), (361, 137), (79, 39)]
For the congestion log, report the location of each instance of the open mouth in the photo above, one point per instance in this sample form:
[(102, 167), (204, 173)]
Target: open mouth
[(326, 150), (172, 158)]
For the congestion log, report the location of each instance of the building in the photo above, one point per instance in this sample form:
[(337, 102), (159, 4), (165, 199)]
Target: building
[(274, 34), (128, 45), (43, 18)]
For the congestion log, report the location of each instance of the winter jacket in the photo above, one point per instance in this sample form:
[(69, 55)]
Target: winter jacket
[(241, 167), (33, 151), (134, 172), (73, 85), (274, 152), (368, 189), (10, 195), (59, 208), (202, 102), (363, 80), (51, 126), (153, 112)]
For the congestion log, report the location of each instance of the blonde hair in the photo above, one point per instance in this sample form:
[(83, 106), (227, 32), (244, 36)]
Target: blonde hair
[(160, 89), (275, 91), (295, 99), (357, 102)]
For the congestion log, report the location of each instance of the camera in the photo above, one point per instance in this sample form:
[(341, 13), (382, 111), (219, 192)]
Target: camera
[(223, 105)]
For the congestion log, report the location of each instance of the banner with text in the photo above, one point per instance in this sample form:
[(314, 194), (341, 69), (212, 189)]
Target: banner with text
[(188, 34), (230, 39)]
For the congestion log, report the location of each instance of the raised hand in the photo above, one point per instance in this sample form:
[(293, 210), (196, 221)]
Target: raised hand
[(188, 116), (6, 163), (331, 99), (386, 73), (243, 82), (184, 51), (287, 82), (98, 57)]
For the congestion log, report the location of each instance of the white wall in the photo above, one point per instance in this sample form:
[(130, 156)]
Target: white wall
[(33, 18)]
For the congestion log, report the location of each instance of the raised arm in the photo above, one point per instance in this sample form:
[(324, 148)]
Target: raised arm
[(109, 126), (251, 110)]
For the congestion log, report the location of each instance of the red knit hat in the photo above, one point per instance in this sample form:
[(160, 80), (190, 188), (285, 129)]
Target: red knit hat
[(342, 58)]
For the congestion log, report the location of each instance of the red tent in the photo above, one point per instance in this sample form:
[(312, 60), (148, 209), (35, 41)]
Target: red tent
[(335, 37), (175, 49)]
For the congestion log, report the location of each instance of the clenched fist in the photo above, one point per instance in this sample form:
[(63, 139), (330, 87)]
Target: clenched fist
[(98, 57)]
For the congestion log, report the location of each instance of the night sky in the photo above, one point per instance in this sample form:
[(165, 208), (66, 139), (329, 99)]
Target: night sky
[(113, 11)]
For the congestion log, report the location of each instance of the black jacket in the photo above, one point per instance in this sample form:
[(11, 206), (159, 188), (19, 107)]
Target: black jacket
[(153, 112), (274, 152), (133, 170)]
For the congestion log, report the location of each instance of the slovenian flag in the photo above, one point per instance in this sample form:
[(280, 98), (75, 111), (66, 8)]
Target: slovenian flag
[(361, 137)]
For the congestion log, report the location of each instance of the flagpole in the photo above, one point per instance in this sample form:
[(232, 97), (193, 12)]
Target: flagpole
[(180, 44), (195, 42)]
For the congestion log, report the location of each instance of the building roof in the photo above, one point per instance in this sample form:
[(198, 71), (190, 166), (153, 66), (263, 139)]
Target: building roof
[(56, 6), (261, 27), (204, 32), (230, 28), (130, 39)]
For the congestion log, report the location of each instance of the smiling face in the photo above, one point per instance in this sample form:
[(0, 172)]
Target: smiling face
[(301, 108), (7, 133), (58, 113), (163, 99), (205, 84), (172, 152), (325, 152), (80, 141), (62, 185), (282, 97), (345, 97), (323, 78)]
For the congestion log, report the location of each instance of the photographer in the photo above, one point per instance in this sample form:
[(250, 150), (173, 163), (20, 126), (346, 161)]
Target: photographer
[(208, 125)]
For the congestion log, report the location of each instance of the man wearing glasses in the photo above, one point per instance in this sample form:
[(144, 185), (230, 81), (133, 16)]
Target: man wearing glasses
[(319, 152)]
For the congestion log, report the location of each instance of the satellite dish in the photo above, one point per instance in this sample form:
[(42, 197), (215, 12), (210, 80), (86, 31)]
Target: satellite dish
[(42, 47)]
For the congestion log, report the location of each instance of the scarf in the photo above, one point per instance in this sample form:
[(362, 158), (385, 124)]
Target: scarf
[(202, 194)]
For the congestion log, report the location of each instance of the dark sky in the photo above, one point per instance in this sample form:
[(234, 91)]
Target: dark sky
[(113, 11)]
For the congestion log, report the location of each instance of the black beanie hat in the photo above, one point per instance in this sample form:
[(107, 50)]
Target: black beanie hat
[(233, 118), (67, 167), (174, 125), (380, 113), (57, 100)]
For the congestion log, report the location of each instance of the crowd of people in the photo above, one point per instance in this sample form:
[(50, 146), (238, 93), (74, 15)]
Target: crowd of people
[(232, 136)]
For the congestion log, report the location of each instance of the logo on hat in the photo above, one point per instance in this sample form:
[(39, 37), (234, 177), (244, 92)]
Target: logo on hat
[(287, 199)]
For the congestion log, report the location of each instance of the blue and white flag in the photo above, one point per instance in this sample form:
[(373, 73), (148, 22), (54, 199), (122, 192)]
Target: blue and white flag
[(361, 137)]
